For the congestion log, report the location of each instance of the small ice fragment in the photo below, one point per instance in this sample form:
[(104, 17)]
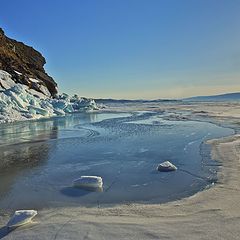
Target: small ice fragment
[(21, 217), (166, 167), (88, 182)]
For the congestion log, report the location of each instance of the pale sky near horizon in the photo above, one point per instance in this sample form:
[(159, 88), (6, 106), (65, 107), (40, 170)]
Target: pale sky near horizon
[(132, 48)]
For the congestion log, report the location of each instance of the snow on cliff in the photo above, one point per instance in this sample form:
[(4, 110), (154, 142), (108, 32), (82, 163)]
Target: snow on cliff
[(19, 102)]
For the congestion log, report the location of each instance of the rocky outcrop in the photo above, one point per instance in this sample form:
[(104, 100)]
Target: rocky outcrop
[(25, 65)]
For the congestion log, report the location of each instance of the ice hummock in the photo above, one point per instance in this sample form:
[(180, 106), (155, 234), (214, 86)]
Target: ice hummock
[(19, 102)]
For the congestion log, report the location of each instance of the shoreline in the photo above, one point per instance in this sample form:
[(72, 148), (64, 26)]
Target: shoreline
[(212, 213)]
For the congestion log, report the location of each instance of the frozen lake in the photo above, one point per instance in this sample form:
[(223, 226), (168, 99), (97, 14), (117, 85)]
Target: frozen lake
[(40, 159)]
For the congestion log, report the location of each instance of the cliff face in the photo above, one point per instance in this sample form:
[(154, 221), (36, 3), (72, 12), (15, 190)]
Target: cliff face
[(25, 64)]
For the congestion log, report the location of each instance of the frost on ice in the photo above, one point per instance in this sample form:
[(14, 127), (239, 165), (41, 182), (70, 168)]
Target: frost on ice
[(19, 102)]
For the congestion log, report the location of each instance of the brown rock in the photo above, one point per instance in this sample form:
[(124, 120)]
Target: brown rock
[(16, 56)]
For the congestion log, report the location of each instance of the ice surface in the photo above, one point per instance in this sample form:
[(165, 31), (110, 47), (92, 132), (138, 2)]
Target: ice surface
[(19, 102)]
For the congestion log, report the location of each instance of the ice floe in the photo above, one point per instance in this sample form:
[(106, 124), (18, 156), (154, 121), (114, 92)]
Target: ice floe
[(88, 182), (21, 217), (166, 167)]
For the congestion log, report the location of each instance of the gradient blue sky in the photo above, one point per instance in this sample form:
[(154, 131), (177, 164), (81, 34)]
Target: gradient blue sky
[(132, 48)]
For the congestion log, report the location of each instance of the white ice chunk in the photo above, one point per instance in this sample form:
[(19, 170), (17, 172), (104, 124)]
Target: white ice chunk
[(69, 108), (59, 111), (166, 167), (88, 182), (5, 80), (38, 110), (74, 98), (44, 90), (18, 101), (64, 96), (36, 93), (21, 217), (60, 104), (85, 104)]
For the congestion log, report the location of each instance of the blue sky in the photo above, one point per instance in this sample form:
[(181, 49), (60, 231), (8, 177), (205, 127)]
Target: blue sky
[(132, 48)]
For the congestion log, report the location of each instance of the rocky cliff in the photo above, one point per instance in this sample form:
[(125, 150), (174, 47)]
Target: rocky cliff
[(25, 65)]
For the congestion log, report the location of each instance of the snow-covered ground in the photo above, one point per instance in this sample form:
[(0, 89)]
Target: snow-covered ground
[(19, 102)]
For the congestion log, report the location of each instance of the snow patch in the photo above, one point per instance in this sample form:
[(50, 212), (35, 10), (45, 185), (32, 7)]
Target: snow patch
[(17, 72), (34, 80)]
